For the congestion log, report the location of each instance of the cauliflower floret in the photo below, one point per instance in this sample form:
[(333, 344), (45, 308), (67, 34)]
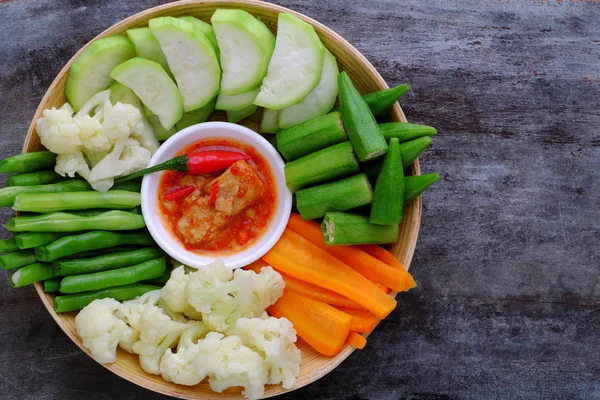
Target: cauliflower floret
[(178, 367), (227, 362), (71, 164), (274, 339), (101, 330), (132, 310), (58, 131), (135, 156), (223, 296), (173, 293)]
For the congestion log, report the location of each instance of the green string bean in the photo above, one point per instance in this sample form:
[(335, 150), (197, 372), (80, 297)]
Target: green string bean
[(114, 220), (33, 178), (17, 259), (8, 245), (51, 202), (8, 194), (51, 285), (31, 240), (73, 302), (105, 262), (27, 162), (30, 274)]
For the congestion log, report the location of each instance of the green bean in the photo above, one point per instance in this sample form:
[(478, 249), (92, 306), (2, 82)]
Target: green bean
[(90, 212), (17, 259), (73, 302), (160, 280), (114, 220), (33, 178), (105, 262), (50, 202), (27, 162), (51, 285), (134, 185), (30, 274), (99, 252), (93, 240), (31, 240), (8, 194), (8, 245), (114, 277)]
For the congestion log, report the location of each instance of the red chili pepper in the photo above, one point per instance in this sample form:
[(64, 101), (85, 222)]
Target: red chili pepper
[(179, 193), (214, 191), (207, 162)]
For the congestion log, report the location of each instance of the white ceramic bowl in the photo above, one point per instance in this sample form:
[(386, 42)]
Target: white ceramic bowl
[(169, 149)]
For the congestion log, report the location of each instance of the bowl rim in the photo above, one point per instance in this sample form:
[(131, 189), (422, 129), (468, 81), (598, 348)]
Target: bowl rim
[(187, 137), (131, 21)]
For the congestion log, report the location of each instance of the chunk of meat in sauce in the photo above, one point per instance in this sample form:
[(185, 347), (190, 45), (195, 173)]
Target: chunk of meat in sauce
[(238, 187)]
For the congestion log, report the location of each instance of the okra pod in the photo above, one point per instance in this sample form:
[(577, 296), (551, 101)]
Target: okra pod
[(27, 162), (17, 259), (330, 163), (341, 228), (30, 274), (382, 101), (388, 197), (51, 202), (311, 135), (94, 240), (362, 129), (114, 277), (405, 131), (31, 240), (8, 194), (33, 178), (314, 202), (415, 185), (114, 220), (8, 245), (51, 285), (74, 302), (105, 262)]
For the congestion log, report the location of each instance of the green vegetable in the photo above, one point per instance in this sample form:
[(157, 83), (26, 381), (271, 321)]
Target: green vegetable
[(8, 245), (99, 252), (115, 277), (192, 60), (161, 280), (206, 29), (382, 101), (94, 240), (361, 127), (89, 74), (236, 102), (268, 121), (405, 131), (27, 162), (74, 302), (121, 93), (33, 178), (388, 198), (51, 285), (246, 47), (17, 259), (160, 132), (154, 88), (113, 220), (196, 116), (314, 202), (330, 163), (237, 116), (31, 240), (50, 202), (310, 136), (415, 185), (134, 185), (105, 262), (146, 46), (30, 274), (8, 194), (341, 228), (295, 67)]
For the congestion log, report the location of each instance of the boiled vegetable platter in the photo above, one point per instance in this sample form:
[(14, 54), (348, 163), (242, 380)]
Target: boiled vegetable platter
[(364, 77)]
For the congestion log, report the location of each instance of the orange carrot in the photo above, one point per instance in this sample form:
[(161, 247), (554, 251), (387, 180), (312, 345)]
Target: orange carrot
[(308, 289), (362, 320), (322, 326), (381, 254), (356, 340), (299, 258), (374, 269)]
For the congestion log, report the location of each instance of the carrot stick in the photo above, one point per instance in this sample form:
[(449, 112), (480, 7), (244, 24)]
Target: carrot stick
[(381, 254), (301, 259), (322, 326), (362, 320), (308, 289), (356, 340), (374, 269)]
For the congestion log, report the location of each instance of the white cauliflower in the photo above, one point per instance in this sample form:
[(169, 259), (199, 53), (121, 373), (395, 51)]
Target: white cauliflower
[(101, 330), (274, 339), (228, 363), (173, 293), (100, 142), (222, 296), (178, 367)]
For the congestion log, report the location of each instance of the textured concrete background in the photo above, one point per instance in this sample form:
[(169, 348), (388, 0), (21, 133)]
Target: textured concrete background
[(508, 254)]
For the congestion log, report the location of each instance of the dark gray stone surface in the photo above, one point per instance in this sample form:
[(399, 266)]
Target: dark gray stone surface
[(507, 260)]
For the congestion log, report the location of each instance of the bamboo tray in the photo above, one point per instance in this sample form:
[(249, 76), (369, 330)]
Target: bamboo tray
[(366, 79)]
